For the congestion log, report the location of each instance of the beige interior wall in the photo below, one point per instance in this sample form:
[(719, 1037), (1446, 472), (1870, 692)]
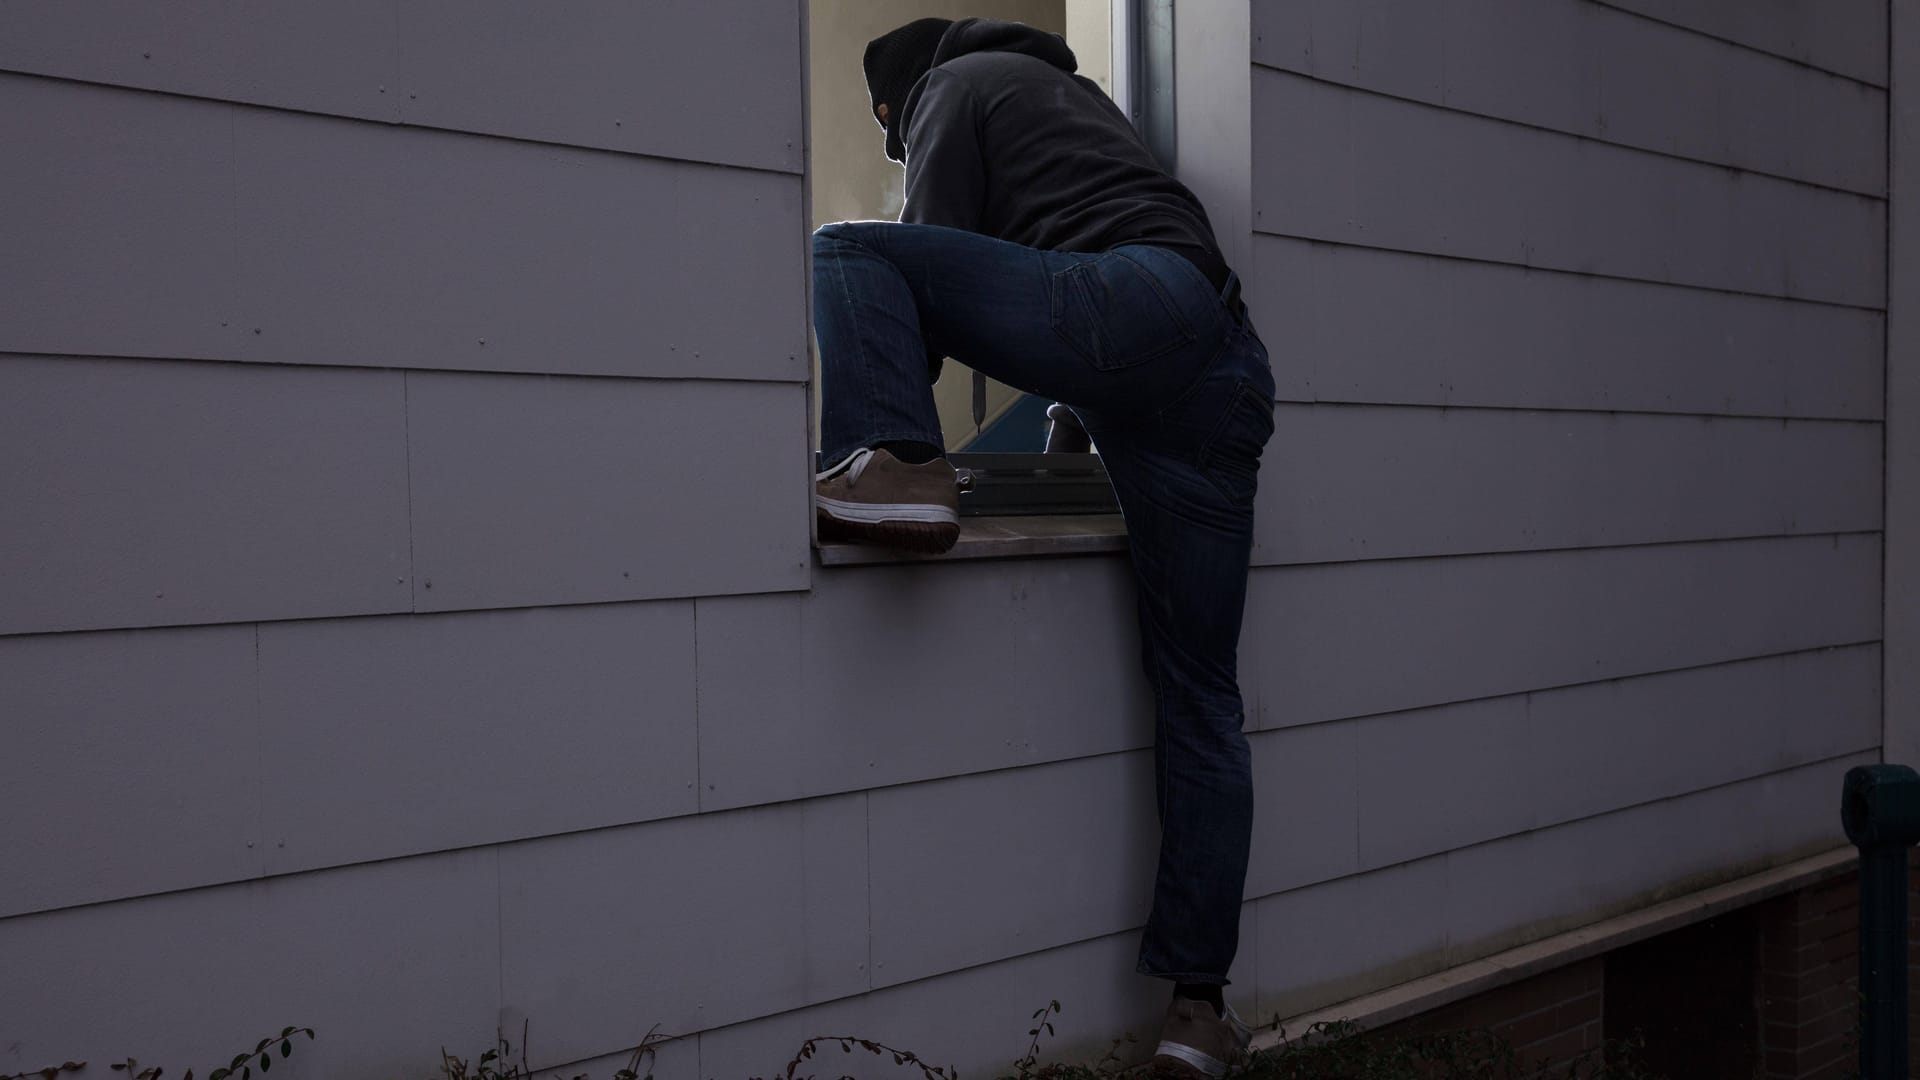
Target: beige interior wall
[(853, 180), (1090, 31)]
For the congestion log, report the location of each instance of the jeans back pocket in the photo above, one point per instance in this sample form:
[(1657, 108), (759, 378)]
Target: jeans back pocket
[(1115, 313)]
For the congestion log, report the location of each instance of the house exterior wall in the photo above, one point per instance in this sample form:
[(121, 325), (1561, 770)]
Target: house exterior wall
[(360, 376), (1903, 393), (411, 629), (1541, 279)]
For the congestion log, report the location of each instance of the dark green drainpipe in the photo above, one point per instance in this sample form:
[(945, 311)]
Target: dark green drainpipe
[(1880, 807)]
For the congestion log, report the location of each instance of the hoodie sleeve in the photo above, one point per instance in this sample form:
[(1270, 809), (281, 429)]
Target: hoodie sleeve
[(946, 179)]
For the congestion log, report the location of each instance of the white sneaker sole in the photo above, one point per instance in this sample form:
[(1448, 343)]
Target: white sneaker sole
[(1204, 1064), (875, 513)]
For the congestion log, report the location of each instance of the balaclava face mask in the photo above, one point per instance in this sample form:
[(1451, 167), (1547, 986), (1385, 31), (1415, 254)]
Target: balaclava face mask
[(893, 62)]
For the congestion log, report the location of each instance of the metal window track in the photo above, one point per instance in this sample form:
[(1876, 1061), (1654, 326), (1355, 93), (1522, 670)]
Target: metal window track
[(1013, 484)]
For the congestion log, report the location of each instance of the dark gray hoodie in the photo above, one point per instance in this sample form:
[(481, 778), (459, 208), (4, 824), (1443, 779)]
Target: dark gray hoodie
[(1004, 139)]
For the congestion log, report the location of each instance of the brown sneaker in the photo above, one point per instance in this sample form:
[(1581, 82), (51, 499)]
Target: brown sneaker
[(1196, 1042), (875, 497)]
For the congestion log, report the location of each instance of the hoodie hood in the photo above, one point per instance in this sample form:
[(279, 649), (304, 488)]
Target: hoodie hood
[(976, 35), (894, 62), (995, 35)]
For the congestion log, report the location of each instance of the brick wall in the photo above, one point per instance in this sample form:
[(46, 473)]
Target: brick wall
[(1767, 991), (1553, 1016), (1809, 955), (1692, 995)]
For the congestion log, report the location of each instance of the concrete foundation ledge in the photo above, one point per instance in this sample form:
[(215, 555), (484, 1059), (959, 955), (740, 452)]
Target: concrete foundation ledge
[(1441, 988)]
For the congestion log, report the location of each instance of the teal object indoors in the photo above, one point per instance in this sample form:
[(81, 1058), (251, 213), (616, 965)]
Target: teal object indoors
[(1022, 429)]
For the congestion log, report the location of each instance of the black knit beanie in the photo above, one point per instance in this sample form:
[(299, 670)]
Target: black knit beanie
[(894, 61)]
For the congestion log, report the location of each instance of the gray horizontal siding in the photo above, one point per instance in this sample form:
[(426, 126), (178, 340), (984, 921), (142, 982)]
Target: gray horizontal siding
[(1335, 799), (1575, 219), (214, 754), (1331, 163), (1351, 323), (616, 931), (1367, 482), (1344, 937), (690, 924), (1305, 821), (766, 924), (1509, 890), (790, 707), (191, 492), (860, 683), (1507, 765), (392, 736), (643, 78), (1514, 764), (679, 1057), (1589, 70), (143, 494), (598, 77), (119, 223), (1902, 671), (1403, 919), (1347, 639), (584, 960), (951, 863), (340, 58), (385, 962), (942, 856), (1844, 36), (529, 490), (128, 754), (1341, 937), (145, 225), (976, 1019)]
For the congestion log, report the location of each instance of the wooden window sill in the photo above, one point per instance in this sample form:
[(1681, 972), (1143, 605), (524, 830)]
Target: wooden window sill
[(1012, 537)]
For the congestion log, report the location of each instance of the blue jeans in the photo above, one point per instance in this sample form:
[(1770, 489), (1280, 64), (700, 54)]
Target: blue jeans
[(1175, 389)]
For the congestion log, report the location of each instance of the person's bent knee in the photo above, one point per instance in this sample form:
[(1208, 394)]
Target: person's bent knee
[(839, 232)]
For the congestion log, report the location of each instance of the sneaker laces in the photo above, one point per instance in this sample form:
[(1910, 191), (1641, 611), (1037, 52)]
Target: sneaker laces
[(853, 465)]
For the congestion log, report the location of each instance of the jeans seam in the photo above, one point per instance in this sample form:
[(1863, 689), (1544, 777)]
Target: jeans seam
[(853, 313), (1163, 773), (1203, 460), (1199, 377), (860, 337)]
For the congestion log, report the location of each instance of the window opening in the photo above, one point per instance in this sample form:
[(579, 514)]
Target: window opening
[(1124, 46)]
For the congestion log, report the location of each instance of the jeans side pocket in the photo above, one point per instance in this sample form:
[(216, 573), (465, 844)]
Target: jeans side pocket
[(1115, 314), (1230, 458)]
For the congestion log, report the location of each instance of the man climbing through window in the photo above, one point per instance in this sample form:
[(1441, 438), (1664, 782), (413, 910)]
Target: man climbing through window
[(1042, 245)]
